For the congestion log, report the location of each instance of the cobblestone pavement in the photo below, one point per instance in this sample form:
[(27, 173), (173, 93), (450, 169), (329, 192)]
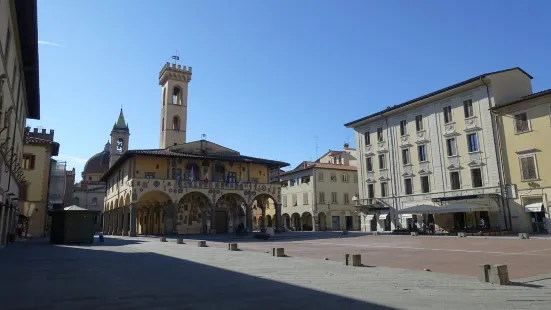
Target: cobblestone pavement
[(143, 273), (525, 258)]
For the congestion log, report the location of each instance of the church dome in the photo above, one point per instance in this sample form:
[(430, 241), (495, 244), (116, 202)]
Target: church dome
[(99, 163)]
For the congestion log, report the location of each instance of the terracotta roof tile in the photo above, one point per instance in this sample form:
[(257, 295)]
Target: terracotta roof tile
[(305, 165)]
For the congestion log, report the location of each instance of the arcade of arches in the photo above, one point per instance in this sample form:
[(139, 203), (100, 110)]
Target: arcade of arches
[(334, 221), (156, 214)]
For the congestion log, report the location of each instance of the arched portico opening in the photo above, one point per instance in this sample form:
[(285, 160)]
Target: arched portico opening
[(286, 219), (231, 213), (193, 214), (264, 206), (295, 222), (150, 213), (306, 221)]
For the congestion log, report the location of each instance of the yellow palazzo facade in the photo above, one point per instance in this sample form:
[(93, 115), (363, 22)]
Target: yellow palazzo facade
[(191, 188)]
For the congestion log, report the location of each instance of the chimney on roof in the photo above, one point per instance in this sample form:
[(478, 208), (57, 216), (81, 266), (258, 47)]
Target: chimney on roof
[(346, 145)]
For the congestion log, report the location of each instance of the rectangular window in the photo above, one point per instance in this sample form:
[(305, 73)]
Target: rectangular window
[(369, 164), (320, 176), (450, 146), (384, 189), (382, 161), (370, 191), (408, 184), (345, 178), (367, 138), (419, 122), (284, 201), (333, 197), (304, 198), (425, 185), (455, 181), (294, 200), (472, 142), (521, 123), (28, 161), (322, 197), (333, 177), (476, 176), (380, 134), (422, 153), (346, 199), (403, 128), (149, 175), (468, 108), (528, 167), (405, 157), (292, 181), (448, 118)]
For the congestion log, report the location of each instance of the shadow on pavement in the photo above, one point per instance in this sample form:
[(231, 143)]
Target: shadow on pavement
[(45, 276)]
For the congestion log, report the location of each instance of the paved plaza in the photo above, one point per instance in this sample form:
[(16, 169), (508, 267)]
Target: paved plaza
[(144, 273)]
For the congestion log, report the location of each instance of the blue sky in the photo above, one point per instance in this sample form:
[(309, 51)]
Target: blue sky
[(268, 76)]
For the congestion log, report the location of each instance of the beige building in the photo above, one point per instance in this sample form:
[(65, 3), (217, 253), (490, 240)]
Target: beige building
[(19, 100), (434, 159), (523, 127), (37, 165), (184, 187), (319, 195)]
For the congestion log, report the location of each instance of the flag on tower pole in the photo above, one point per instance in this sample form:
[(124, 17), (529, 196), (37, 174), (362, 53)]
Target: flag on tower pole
[(176, 57), (206, 175), (228, 178)]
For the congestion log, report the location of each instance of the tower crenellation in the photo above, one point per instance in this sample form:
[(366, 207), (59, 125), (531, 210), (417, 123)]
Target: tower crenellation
[(174, 80)]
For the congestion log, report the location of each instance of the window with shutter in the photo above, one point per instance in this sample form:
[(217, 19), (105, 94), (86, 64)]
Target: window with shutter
[(521, 123), (528, 167)]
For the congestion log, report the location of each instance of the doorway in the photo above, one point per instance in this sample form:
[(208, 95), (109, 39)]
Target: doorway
[(336, 223), (349, 223), (221, 222)]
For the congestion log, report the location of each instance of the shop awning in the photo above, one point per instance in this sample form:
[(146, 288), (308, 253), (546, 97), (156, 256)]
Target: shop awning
[(534, 207), (407, 216), (419, 209), (369, 217), (464, 207)]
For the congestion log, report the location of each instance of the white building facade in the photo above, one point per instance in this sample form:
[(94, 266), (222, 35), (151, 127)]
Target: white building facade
[(434, 159)]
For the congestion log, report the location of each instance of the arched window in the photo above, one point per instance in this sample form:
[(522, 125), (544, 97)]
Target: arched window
[(94, 201), (164, 96), (176, 123), (177, 95), (76, 201), (163, 124), (120, 145)]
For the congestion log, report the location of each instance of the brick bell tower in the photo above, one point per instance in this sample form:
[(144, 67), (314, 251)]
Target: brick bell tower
[(174, 80)]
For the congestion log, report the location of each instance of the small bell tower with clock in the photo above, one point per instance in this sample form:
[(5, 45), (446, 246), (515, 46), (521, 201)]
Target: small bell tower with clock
[(119, 139)]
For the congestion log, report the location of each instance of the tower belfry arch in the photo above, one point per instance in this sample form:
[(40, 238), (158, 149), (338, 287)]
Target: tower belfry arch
[(174, 80)]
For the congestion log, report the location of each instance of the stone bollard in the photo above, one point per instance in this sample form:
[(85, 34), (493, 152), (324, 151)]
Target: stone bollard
[(499, 274), (179, 241), (354, 260), (375, 233), (461, 234), (483, 273), (232, 247), (278, 252), (163, 239), (523, 235), (202, 243), (415, 233)]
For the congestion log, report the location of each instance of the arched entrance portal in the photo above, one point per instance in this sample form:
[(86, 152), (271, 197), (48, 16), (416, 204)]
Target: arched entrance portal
[(265, 209), (295, 222), (286, 220), (230, 213), (306, 221), (150, 212)]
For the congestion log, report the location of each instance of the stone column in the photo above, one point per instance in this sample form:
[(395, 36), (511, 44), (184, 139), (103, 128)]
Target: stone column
[(9, 224), (133, 220), (315, 222), (170, 218), (118, 229), (112, 222), (124, 221), (248, 218), (278, 227), (212, 220)]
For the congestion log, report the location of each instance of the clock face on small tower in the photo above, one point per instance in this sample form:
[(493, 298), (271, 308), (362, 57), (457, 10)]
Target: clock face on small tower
[(119, 145)]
